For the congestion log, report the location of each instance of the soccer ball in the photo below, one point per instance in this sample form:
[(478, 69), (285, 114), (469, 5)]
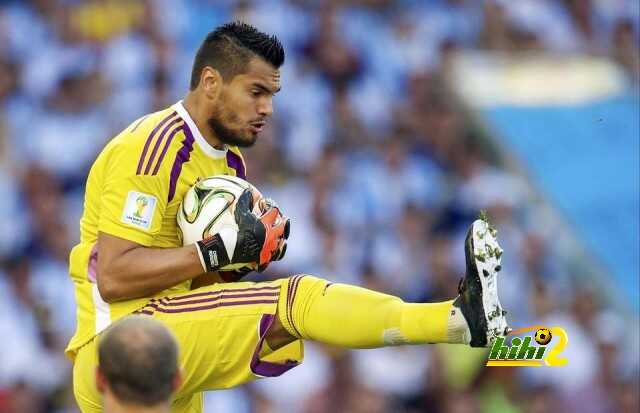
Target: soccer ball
[(208, 208), (543, 336)]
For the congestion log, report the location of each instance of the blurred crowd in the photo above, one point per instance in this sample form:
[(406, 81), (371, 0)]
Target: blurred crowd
[(379, 166)]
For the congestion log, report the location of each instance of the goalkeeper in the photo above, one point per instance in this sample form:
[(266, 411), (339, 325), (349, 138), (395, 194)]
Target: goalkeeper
[(130, 257)]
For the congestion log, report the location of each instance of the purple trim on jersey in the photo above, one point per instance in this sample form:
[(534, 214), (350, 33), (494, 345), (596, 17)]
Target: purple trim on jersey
[(216, 304), (292, 297), (235, 161), (235, 290), (291, 281), (265, 294), (150, 138), (183, 156), (164, 150), (325, 288), (146, 312), (158, 142), (266, 368), (92, 267)]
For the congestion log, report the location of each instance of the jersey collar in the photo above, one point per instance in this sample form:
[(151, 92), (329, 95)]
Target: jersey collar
[(204, 145)]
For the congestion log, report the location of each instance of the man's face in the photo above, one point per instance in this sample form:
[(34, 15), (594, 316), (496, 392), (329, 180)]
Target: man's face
[(244, 103)]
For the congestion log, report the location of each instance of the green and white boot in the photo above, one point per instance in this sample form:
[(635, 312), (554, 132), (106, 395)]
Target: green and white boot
[(478, 300)]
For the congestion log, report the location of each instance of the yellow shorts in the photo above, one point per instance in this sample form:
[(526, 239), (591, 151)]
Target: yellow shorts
[(220, 331)]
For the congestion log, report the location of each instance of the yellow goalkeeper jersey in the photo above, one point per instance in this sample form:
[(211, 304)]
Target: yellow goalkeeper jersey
[(133, 191)]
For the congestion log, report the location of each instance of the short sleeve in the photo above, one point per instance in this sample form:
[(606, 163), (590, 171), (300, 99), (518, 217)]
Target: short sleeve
[(132, 206)]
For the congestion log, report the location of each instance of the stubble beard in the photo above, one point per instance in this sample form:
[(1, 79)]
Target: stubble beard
[(229, 136)]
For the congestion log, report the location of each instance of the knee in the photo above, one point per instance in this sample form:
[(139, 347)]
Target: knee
[(306, 276), (297, 293), (305, 282)]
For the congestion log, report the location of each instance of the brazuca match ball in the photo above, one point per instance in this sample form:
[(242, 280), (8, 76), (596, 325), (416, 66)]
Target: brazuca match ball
[(208, 207), (543, 336)]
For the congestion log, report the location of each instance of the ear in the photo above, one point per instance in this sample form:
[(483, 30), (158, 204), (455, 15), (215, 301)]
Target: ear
[(211, 82), (177, 380), (101, 381)]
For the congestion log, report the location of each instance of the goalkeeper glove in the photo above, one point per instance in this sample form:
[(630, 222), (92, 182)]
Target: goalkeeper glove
[(259, 239)]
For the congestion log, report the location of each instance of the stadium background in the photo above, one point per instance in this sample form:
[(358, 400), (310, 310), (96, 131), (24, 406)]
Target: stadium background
[(397, 122)]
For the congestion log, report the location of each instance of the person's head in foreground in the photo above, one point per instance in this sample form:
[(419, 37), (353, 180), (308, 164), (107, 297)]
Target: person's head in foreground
[(137, 366), (234, 77)]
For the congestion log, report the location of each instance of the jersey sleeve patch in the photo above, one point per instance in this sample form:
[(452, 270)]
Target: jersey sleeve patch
[(138, 210)]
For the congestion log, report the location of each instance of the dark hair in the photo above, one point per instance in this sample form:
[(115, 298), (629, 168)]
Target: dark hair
[(229, 48), (138, 356)]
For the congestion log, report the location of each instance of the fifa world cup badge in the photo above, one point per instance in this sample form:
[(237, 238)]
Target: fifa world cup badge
[(138, 210), (141, 203)]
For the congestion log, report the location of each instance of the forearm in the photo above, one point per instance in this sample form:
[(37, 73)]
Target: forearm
[(206, 279), (141, 272)]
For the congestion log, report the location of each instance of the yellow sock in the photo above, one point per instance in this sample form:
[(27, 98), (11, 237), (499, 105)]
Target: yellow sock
[(355, 317)]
